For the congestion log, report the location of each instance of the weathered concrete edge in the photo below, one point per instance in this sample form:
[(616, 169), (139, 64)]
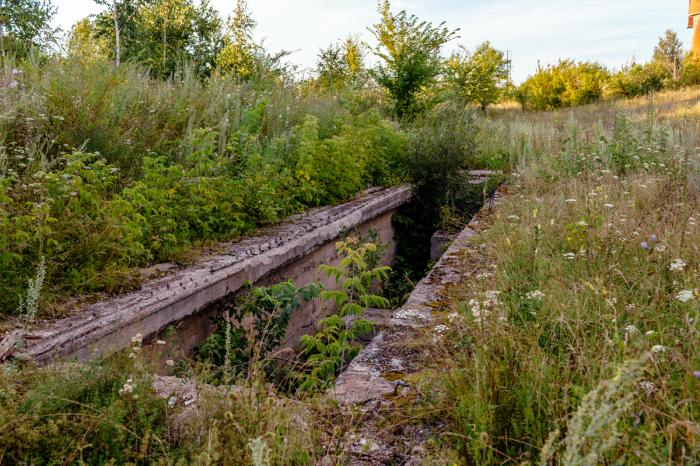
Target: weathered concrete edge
[(170, 299), (362, 381)]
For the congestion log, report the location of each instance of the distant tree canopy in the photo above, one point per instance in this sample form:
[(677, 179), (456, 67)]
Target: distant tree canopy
[(340, 64), (477, 78), (669, 54), (569, 83), (563, 85), (409, 50), (161, 33), (25, 25)]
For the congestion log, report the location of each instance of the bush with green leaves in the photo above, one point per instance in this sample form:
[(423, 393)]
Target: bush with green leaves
[(164, 167), (639, 79), (409, 50), (335, 343), (479, 77), (563, 85), (239, 341)]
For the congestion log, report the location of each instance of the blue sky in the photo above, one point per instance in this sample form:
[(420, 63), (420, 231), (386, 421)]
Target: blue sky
[(608, 31)]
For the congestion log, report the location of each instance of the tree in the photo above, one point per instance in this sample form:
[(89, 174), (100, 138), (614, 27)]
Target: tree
[(83, 43), (24, 25), (161, 33), (340, 64), (479, 78), (669, 53), (238, 53), (119, 25), (410, 53)]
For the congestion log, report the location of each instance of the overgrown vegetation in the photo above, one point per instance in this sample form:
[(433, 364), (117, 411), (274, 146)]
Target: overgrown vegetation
[(570, 84), (161, 128), (577, 341)]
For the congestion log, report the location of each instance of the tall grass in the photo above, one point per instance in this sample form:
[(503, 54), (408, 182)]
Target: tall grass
[(106, 169), (580, 345)]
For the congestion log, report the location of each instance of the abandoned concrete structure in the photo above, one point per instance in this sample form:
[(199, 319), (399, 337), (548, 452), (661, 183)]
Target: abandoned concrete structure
[(694, 24)]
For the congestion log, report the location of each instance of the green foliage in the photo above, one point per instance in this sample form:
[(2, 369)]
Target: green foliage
[(235, 344), (690, 75), (73, 414), (26, 25), (164, 166), (563, 85), (340, 64), (238, 53), (161, 34), (334, 345), (409, 50), (477, 78), (669, 54), (638, 80)]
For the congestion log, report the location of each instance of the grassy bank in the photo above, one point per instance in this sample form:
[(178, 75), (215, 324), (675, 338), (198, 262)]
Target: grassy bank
[(579, 345)]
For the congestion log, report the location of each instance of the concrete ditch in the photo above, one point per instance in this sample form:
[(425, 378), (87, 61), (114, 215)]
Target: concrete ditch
[(374, 384)]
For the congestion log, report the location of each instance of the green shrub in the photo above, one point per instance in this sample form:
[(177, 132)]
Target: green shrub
[(638, 80), (566, 84)]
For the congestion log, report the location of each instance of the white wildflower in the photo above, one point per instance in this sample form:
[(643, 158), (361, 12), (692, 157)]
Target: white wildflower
[(513, 218), (454, 317), (569, 256), (128, 388), (678, 265), (656, 349), (570, 201), (609, 206), (650, 333), (685, 295), (631, 330), (592, 195), (648, 387), (160, 342), (535, 295), (440, 329), (170, 363), (582, 223), (137, 339)]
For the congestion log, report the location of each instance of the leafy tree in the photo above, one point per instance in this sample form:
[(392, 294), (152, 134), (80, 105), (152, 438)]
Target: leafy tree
[(340, 64), (25, 24), (119, 26), (161, 33), (83, 42), (410, 53), (238, 53), (690, 76), (479, 78), (669, 53), (331, 67)]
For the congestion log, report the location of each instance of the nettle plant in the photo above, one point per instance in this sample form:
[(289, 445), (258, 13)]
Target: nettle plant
[(336, 341)]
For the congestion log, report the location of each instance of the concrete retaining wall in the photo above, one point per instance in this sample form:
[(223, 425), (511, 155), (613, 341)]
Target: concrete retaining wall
[(290, 250)]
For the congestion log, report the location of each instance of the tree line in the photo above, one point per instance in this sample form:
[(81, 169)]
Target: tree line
[(167, 35), (570, 83)]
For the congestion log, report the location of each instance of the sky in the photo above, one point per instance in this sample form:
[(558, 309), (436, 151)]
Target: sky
[(612, 32)]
